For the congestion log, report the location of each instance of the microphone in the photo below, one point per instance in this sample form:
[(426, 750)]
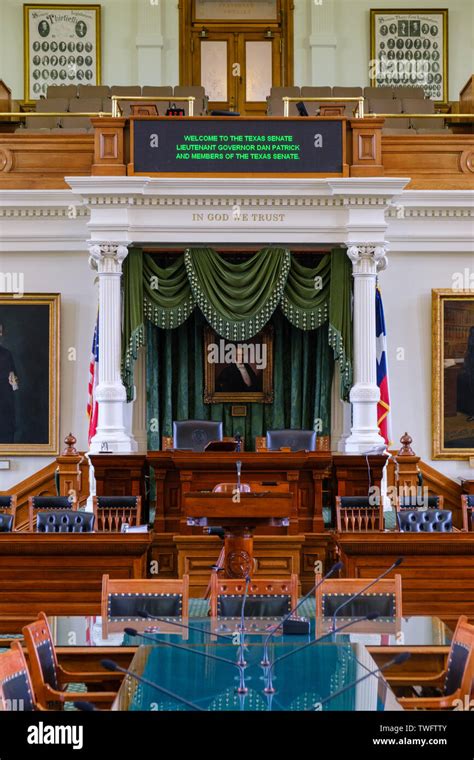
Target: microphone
[(269, 687), (241, 661), (238, 465), (363, 590), (334, 569), (111, 665), (398, 660), (85, 706), (133, 632)]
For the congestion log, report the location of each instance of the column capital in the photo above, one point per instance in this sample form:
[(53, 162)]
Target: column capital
[(107, 258), (368, 259)]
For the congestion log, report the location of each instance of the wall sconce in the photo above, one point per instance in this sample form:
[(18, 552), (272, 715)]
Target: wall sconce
[(269, 34), (203, 33)]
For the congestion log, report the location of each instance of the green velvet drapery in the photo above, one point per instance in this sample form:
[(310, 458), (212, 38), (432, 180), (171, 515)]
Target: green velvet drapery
[(302, 378), (238, 299)]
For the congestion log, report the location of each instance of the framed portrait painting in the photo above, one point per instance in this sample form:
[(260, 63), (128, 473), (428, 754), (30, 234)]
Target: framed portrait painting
[(409, 48), (453, 374), (29, 374), (238, 372), (61, 46)]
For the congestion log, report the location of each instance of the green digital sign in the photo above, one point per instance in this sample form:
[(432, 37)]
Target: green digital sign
[(186, 145)]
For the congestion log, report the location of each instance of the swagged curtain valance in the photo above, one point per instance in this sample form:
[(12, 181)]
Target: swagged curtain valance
[(237, 300)]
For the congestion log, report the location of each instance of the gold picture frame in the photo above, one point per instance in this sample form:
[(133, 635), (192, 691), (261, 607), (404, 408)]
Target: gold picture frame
[(29, 376), (418, 52), (62, 45), (452, 374), (223, 382)]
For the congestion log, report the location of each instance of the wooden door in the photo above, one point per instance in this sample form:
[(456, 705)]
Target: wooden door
[(237, 60)]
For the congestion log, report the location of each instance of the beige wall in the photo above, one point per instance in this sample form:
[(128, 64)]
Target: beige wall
[(406, 291), (70, 275), (332, 41)]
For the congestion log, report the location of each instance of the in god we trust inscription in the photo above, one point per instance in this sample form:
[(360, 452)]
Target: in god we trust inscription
[(301, 146)]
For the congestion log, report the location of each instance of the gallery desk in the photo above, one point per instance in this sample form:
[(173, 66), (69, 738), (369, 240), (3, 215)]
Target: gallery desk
[(61, 574), (437, 570)]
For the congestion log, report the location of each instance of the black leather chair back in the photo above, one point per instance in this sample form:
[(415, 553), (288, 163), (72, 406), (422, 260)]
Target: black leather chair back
[(425, 521), (65, 521), (348, 502), (383, 604), (6, 523), (256, 605), (48, 666), (51, 502), (470, 500), (296, 440), (458, 655), (123, 607), (17, 693), (417, 502), (116, 502), (196, 434), (5, 502)]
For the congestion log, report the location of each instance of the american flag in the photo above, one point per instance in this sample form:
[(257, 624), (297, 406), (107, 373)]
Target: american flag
[(383, 406), (92, 406)]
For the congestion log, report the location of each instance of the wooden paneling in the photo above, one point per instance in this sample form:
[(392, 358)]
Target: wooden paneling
[(41, 161), (121, 475), (61, 574), (275, 557), (437, 570), (434, 162), (318, 554)]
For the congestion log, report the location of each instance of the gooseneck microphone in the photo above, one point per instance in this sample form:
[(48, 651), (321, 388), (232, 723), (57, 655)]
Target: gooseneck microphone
[(133, 632), (363, 590), (269, 689), (238, 465), (398, 660), (113, 666), (265, 659)]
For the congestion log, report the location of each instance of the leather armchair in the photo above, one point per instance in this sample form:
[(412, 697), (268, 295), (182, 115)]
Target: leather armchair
[(6, 523), (425, 521), (296, 440), (196, 434), (47, 504), (65, 521)]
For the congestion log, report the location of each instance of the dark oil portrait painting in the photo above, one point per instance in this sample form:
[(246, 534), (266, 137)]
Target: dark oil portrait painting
[(453, 374), (238, 371), (29, 392)]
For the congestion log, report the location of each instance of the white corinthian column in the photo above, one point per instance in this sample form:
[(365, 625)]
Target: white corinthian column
[(107, 259), (367, 260)]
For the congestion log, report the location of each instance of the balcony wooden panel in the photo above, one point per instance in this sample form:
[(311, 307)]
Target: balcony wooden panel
[(434, 162), (41, 161)]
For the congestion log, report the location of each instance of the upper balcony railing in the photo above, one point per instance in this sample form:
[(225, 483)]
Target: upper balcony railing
[(41, 160)]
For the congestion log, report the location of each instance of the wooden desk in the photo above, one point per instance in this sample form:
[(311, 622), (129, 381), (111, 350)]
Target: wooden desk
[(61, 574), (308, 475), (437, 571)]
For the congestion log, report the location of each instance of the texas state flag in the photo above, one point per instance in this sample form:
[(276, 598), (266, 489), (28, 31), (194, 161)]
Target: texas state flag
[(383, 406)]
